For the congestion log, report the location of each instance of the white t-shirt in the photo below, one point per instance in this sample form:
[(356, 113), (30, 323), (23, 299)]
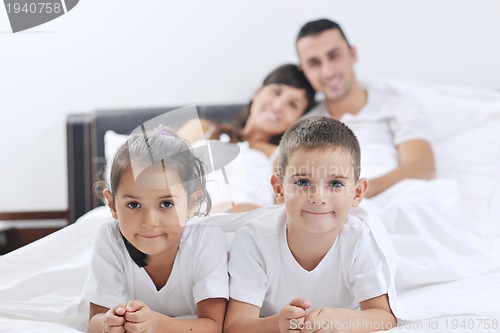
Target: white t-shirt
[(263, 271), (387, 120), (199, 271)]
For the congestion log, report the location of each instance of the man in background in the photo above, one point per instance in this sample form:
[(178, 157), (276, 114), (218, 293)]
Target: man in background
[(392, 130)]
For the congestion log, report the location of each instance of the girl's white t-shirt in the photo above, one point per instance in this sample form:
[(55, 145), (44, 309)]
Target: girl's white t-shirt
[(199, 271)]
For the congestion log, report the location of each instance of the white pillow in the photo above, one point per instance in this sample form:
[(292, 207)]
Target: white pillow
[(112, 142)]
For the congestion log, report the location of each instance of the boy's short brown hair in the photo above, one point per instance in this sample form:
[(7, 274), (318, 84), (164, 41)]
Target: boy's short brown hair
[(319, 132)]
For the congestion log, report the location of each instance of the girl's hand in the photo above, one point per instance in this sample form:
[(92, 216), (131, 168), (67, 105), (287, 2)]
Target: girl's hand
[(138, 317), (291, 317), (114, 320)]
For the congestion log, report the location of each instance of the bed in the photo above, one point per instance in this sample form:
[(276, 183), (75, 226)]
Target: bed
[(40, 283)]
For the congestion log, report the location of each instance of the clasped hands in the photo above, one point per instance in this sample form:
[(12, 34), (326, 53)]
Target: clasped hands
[(132, 317), (294, 318)]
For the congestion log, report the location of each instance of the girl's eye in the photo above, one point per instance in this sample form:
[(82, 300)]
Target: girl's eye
[(302, 182), (166, 204), (336, 183), (134, 205)]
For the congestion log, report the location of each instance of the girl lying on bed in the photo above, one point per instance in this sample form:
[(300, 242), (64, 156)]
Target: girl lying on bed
[(157, 260), (285, 95)]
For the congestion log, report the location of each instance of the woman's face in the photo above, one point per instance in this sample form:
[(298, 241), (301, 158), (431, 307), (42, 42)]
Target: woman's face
[(275, 107)]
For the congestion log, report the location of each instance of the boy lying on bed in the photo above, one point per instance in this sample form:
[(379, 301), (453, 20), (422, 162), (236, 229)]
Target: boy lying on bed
[(305, 266)]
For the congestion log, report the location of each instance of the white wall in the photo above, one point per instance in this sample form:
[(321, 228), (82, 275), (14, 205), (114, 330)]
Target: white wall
[(126, 53)]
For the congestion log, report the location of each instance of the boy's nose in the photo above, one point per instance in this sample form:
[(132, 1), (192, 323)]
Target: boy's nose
[(317, 196)]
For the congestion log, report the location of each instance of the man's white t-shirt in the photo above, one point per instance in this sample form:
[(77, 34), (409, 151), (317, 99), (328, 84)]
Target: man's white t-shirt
[(199, 271), (387, 120), (263, 271)]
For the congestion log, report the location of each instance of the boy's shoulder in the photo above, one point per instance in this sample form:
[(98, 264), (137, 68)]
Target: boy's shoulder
[(359, 221)]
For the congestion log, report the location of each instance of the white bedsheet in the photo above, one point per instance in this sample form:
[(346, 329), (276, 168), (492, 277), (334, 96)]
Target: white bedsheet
[(40, 284), (40, 287)]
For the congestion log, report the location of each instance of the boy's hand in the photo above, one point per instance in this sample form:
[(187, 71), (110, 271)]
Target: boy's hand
[(322, 320), (114, 320), (291, 317), (138, 317)]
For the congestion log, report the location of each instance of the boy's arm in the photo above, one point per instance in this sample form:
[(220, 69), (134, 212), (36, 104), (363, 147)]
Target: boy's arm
[(244, 318), (416, 160), (375, 315)]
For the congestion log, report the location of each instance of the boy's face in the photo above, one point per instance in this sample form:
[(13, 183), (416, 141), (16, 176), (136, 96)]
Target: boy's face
[(319, 190)]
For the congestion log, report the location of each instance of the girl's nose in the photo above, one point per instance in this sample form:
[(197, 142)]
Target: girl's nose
[(151, 220)]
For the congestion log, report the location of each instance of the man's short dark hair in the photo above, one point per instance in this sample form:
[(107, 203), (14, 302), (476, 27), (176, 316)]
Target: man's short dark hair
[(314, 28)]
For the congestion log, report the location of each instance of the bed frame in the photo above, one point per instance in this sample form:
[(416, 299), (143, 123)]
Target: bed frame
[(85, 145)]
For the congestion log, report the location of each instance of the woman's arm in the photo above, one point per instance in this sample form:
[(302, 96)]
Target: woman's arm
[(195, 129), (416, 160)]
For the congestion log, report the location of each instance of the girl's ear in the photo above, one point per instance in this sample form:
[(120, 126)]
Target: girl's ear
[(111, 203), (277, 184), (360, 191), (194, 199)]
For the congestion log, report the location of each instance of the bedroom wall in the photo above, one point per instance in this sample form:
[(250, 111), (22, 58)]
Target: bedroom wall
[(126, 53)]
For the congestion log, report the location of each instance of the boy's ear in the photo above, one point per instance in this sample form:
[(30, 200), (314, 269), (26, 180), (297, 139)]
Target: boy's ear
[(111, 203), (360, 191), (276, 183)]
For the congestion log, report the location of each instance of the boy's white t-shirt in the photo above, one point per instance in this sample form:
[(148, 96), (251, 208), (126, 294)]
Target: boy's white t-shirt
[(263, 271), (199, 271)]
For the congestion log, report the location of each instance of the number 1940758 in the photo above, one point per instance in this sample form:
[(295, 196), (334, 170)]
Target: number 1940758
[(34, 8)]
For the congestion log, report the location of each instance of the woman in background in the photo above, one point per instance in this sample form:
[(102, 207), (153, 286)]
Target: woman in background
[(284, 96)]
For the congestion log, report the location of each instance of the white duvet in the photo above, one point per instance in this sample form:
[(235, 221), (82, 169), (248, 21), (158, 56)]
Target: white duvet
[(40, 284)]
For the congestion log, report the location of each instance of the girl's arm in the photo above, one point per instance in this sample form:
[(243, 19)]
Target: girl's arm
[(139, 318), (375, 315), (102, 319), (244, 318)]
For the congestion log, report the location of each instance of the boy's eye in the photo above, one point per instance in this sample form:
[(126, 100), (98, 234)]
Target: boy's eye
[(134, 205), (166, 204), (336, 183), (302, 182)]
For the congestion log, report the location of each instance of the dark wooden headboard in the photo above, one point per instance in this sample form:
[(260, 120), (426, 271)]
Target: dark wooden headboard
[(85, 145)]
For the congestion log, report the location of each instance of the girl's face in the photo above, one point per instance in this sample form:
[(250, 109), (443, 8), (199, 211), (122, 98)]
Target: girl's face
[(151, 210), (275, 107)]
